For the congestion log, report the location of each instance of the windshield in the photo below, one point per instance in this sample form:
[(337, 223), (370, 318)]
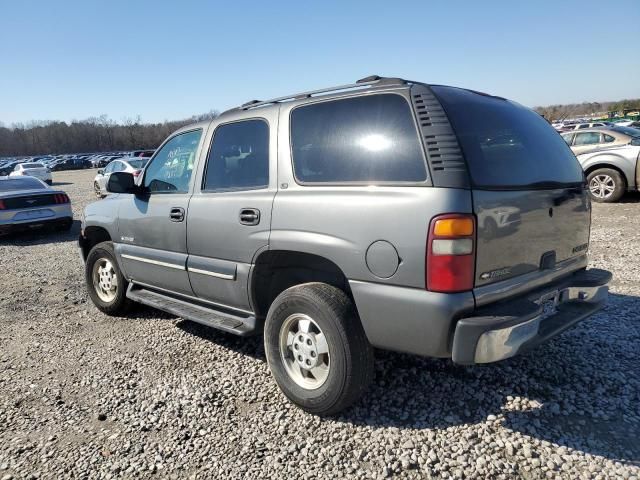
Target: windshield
[(507, 145), (632, 132), (11, 184)]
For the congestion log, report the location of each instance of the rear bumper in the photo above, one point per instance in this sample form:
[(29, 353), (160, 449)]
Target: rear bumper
[(8, 228), (502, 330)]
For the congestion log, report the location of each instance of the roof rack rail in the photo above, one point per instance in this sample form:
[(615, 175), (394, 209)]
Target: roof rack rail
[(362, 83)]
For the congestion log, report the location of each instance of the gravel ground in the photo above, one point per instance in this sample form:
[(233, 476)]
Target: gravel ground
[(83, 395)]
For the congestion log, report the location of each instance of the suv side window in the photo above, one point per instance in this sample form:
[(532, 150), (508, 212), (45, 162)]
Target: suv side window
[(364, 139), (239, 157), (171, 169), (587, 138)]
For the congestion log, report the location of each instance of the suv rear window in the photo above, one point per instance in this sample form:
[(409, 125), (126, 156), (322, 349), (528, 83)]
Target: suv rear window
[(505, 144), (365, 139)]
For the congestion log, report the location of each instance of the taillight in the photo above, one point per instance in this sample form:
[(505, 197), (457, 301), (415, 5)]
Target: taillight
[(2, 205), (451, 253), (137, 172), (60, 198)]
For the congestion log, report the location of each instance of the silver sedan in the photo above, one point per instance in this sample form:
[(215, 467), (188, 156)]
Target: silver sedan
[(26, 203), (132, 165)]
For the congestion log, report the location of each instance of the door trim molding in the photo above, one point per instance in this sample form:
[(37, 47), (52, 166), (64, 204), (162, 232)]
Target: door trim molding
[(152, 262), (224, 276)]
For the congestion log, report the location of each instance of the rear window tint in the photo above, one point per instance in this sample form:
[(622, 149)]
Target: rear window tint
[(363, 139), (505, 144), (11, 184)]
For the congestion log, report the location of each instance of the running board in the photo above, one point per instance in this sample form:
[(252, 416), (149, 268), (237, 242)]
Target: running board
[(227, 322)]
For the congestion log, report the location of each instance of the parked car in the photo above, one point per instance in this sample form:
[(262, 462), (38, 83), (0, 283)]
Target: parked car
[(583, 126), (622, 122), (133, 165), (612, 171), (588, 140), (70, 164), (36, 170), (8, 167), (27, 203), (353, 225)]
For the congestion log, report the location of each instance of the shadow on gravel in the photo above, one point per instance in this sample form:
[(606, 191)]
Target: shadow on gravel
[(251, 346), (630, 197), (583, 396), (41, 236), (58, 184)]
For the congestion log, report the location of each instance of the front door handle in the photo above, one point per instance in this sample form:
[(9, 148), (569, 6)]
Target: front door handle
[(249, 216), (176, 214)]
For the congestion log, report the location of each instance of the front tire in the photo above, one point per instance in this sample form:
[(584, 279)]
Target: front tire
[(105, 282), (316, 348), (606, 185)]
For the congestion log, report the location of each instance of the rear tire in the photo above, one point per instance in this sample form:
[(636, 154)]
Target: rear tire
[(606, 185), (106, 285), (316, 348)]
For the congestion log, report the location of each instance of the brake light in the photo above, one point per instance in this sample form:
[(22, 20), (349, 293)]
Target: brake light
[(60, 198), (2, 205), (137, 172), (451, 253)]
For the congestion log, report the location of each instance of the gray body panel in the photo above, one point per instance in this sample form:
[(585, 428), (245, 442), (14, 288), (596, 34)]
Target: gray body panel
[(221, 248), (537, 222)]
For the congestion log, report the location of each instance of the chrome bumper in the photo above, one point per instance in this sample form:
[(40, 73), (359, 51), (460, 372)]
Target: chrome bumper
[(502, 330)]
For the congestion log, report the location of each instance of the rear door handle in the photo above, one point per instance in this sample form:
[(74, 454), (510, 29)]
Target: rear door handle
[(176, 214), (249, 216)]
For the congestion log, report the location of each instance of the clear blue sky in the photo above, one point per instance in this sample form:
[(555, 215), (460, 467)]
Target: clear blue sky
[(168, 60)]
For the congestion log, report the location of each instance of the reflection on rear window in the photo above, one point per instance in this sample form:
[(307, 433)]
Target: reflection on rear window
[(10, 184), (32, 165), (505, 144)]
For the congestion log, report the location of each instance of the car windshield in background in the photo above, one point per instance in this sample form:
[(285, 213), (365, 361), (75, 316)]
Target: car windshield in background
[(505, 145), (137, 163), (26, 183), (32, 165), (632, 132)]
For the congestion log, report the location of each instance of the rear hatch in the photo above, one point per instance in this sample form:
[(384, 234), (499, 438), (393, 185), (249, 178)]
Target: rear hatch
[(532, 208)]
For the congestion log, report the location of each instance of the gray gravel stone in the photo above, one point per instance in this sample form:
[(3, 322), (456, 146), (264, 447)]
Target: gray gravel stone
[(183, 401)]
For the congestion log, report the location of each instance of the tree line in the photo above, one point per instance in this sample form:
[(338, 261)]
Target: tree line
[(96, 134), (560, 112)]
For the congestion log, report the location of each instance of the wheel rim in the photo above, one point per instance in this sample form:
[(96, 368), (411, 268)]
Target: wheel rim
[(602, 186), (304, 351), (96, 189), (105, 280)]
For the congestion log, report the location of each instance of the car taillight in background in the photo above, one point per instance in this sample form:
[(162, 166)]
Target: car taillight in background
[(450, 259), (137, 173), (61, 198), (2, 205)]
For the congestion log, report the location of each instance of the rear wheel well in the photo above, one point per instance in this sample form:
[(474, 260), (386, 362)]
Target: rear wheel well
[(277, 270), (598, 166), (92, 237)]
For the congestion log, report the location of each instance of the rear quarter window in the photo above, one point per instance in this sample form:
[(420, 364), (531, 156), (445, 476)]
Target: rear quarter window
[(506, 145), (368, 139)]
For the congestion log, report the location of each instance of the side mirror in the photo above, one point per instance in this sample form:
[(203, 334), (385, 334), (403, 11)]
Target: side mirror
[(100, 172), (122, 182)]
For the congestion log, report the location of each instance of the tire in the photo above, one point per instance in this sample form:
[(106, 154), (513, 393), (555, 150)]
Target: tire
[(349, 356), (606, 185), (114, 302)]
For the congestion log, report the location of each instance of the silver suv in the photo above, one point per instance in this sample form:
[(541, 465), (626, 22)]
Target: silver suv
[(394, 214)]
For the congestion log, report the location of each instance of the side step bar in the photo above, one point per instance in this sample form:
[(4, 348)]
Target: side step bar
[(225, 321)]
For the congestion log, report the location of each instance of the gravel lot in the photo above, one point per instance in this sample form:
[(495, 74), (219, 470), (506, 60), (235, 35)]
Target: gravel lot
[(83, 395)]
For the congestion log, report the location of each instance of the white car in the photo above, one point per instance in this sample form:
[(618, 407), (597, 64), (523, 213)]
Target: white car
[(27, 203), (36, 170), (132, 165), (622, 123)]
